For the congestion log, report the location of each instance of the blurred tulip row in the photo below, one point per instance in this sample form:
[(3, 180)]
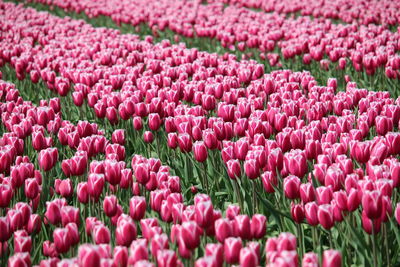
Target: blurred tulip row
[(119, 152), (302, 40), (355, 11)]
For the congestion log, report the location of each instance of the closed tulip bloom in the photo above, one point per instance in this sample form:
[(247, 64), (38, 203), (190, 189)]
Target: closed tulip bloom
[(154, 121), (172, 140), (325, 216), (112, 171), (166, 258), (142, 173), (49, 249), (53, 213), (353, 199), (34, 224), (185, 142), (101, 234), (360, 151), (110, 205), (69, 214), (88, 255), (291, 187), (270, 181), (275, 160), (65, 188), (223, 229), (233, 168), (137, 123), (232, 211), (5, 233), (6, 194), (307, 192), (126, 178), (232, 247), (258, 226), (204, 213), (200, 151), (73, 233), (297, 211), (148, 137), (138, 251), (111, 114), (159, 242), (125, 232), (286, 242), (248, 257), (311, 212), (19, 259), (61, 240), (331, 258), (341, 199), (210, 139), (48, 158), (372, 204), (216, 251), (82, 192), (31, 188), (296, 163), (324, 194), (38, 140), (137, 207), (118, 137), (383, 125), (190, 234), (95, 185), (242, 226), (120, 257), (22, 243), (252, 168)]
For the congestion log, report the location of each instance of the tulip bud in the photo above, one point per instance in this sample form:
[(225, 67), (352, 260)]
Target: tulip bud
[(248, 257), (137, 207), (331, 258), (232, 247), (258, 226), (297, 211), (190, 234), (200, 151), (325, 216), (204, 213), (61, 240), (125, 232), (311, 212), (88, 255), (291, 187), (110, 205), (372, 204)]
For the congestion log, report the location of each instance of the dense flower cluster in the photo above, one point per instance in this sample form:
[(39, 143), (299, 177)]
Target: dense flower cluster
[(366, 47), (363, 12), (74, 193)]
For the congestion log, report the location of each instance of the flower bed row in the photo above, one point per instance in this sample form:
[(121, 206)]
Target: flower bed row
[(319, 163), (363, 48)]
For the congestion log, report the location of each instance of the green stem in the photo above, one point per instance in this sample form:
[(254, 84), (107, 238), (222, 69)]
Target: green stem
[(386, 245), (237, 192), (375, 257), (206, 178), (301, 240), (255, 201)]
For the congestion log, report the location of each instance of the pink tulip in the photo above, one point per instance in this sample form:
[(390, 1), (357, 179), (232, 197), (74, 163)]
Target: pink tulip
[(232, 247)]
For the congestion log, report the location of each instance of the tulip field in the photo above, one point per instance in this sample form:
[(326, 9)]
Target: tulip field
[(207, 133)]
